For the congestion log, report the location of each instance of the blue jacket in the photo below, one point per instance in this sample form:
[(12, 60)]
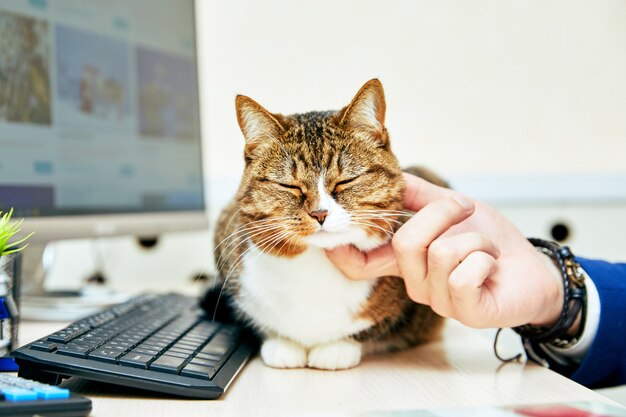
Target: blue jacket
[(605, 362)]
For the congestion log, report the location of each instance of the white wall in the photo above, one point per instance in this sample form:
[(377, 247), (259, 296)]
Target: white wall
[(476, 86), (522, 103)]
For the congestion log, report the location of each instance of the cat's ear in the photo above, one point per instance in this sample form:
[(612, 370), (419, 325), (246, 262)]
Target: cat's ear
[(366, 112), (257, 124)]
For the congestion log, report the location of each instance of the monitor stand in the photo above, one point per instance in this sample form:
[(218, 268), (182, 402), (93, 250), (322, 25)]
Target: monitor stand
[(38, 303)]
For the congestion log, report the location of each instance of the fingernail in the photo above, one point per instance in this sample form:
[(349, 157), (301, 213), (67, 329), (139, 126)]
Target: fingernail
[(465, 202)]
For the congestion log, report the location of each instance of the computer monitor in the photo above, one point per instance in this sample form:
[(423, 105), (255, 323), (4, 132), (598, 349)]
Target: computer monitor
[(99, 117)]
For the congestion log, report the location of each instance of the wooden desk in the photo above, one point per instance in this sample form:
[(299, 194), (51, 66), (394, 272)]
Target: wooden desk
[(460, 370)]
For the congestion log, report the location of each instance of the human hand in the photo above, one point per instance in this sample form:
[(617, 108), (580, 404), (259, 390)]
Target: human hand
[(464, 259)]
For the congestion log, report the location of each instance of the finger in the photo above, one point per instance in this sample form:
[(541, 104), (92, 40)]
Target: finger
[(447, 252), (420, 192), (472, 300), (411, 241), (358, 265), (444, 256)]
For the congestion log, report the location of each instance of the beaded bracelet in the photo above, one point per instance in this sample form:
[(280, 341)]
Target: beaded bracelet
[(574, 297)]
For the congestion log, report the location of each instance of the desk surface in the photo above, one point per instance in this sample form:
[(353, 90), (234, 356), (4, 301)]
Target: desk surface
[(460, 370)]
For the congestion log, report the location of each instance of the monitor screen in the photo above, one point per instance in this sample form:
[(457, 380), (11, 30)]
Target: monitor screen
[(99, 116)]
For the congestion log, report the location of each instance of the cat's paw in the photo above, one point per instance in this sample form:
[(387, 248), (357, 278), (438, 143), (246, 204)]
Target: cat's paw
[(343, 354), (283, 353)]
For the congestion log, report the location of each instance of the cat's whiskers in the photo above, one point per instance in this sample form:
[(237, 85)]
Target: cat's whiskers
[(387, 220), (257, 246), (368, 222), (251, 233), (271, 238), (245, 238), (384, 212), (232, 218), (252, 225), (272, 230), (375, 216), (249, 230), (371, 221), (262, 244), (388, 233), (354, 220), (252, 229), (288, 240)]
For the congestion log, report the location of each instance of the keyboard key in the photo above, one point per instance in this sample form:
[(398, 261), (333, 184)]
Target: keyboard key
[(147, 346), (106, 355), (74, 349), (116, 347), (18, 394), (205, 362), (208, 356), (116, 344), (68, 333), (156, 344), (219, 345), (207, 328), (195, 337), (144, 351), (136, 360), (169, 364), (49, 392), (181, 349), (187, 346), (92, 342), (44, 346), (100, 319), (177, 354), (198, 371)]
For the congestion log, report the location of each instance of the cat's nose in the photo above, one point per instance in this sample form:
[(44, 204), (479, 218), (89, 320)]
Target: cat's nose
[(319, 215)]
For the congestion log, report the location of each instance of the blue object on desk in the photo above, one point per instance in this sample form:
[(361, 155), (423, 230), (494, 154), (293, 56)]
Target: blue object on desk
[(4, 309), (18, 394), (48, 392), (8, 308), (25, 397), (7, 311), (8, 364)]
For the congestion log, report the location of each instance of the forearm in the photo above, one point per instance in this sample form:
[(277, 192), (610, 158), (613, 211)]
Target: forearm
[(598, 358), (604, 364)]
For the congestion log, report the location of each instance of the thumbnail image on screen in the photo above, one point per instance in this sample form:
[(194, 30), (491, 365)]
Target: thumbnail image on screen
[(24, 69)]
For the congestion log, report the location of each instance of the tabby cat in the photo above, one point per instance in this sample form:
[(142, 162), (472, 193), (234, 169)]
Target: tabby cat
[(311, 182)]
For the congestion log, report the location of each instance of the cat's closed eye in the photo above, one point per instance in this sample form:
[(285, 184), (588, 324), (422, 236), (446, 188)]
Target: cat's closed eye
[(292, 187), (342, 185)]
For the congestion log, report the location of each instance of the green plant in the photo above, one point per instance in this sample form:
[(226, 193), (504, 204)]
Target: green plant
[(8, 229)]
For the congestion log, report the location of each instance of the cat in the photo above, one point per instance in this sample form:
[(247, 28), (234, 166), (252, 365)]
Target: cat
[(312, 182)]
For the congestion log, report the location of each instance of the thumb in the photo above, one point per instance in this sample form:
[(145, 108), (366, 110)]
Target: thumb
[(358, 265)]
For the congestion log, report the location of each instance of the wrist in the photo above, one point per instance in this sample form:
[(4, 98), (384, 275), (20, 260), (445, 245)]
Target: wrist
[(553, 293), (574, 300)]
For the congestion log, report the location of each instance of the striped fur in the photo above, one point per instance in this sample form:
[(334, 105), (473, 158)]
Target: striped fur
[(335, 166)]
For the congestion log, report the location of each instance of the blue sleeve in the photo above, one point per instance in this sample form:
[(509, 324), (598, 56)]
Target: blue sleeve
[(605, 362)]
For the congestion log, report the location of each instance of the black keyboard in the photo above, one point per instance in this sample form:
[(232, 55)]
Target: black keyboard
[(161, 343)]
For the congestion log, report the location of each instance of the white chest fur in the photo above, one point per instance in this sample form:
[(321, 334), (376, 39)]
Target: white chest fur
[(304, 298)]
